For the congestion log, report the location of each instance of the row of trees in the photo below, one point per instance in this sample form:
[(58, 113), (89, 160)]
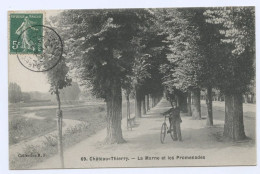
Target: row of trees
[(108, 53), (212, 48), (16, 95), (225, 60), (147, 51), (111, 50)]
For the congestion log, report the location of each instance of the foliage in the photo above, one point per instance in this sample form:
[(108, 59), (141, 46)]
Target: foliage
[(21, 128), (58, 77), (238, 26), (71, 92), (14, 92), (238, 65), (209, 47), (212, 51), (101, 46), (150, 53), (182, 69), (26, 96)]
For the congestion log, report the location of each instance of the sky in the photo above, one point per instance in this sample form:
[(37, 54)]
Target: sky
[(26, 79)]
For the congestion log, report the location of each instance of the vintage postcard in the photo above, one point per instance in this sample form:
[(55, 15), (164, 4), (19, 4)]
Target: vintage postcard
[(147, 87)]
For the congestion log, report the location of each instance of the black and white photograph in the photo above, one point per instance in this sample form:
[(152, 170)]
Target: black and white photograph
[(132, 88)]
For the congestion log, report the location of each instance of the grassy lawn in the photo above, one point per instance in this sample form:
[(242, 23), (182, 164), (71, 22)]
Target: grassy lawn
[(21, 128), (43, 103), (87, 113), (81, 113), (31, 104)]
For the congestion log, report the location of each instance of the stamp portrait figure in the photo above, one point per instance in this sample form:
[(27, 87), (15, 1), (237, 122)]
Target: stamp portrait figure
[(23, 30)]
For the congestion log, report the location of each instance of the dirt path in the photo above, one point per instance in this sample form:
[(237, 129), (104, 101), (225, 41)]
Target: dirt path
[(144, 142), (19, 147)]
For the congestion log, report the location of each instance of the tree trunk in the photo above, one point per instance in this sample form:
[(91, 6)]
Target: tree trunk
[(143, 105), (156, 99), (234, 124), (114, 116), (127, 106), (138, 103), (177, 99), (245, 98), (183, 102), (209, 106), (147, 102), (153, 101), (196, 112), (59, 127), (250, 99), (189, 104), (253, 98)]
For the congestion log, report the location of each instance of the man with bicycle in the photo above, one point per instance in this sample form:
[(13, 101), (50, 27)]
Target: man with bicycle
[(175, 121)]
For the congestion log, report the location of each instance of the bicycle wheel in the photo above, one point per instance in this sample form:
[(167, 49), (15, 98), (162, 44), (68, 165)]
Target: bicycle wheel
[(172, 133), (163, 132)]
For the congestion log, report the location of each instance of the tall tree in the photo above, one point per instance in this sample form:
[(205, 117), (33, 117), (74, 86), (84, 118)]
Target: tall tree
[(238, 29), (26, 96), (140, 74), (210, 50), (14, 93), (58, 79), (102, 55), (150, 52), (183, 67), (128, 89)]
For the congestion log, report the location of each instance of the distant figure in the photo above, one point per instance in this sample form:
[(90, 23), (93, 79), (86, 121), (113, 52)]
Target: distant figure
[(175, 120)]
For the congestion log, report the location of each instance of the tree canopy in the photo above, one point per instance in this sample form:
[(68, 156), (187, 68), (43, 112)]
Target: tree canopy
[(146, 50), (14, 92), (237, 25)]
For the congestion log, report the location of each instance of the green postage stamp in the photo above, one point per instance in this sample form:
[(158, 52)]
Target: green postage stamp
[(26, 33)]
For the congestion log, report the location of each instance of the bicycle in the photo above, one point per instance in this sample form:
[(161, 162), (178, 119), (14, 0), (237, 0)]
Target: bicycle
[(165, 129)]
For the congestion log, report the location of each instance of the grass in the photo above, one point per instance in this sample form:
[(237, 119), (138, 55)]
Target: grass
[(94, 120), (82, 113), (86, 113), (44, 103), (49, 145), (21, 128), (31, 104)]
